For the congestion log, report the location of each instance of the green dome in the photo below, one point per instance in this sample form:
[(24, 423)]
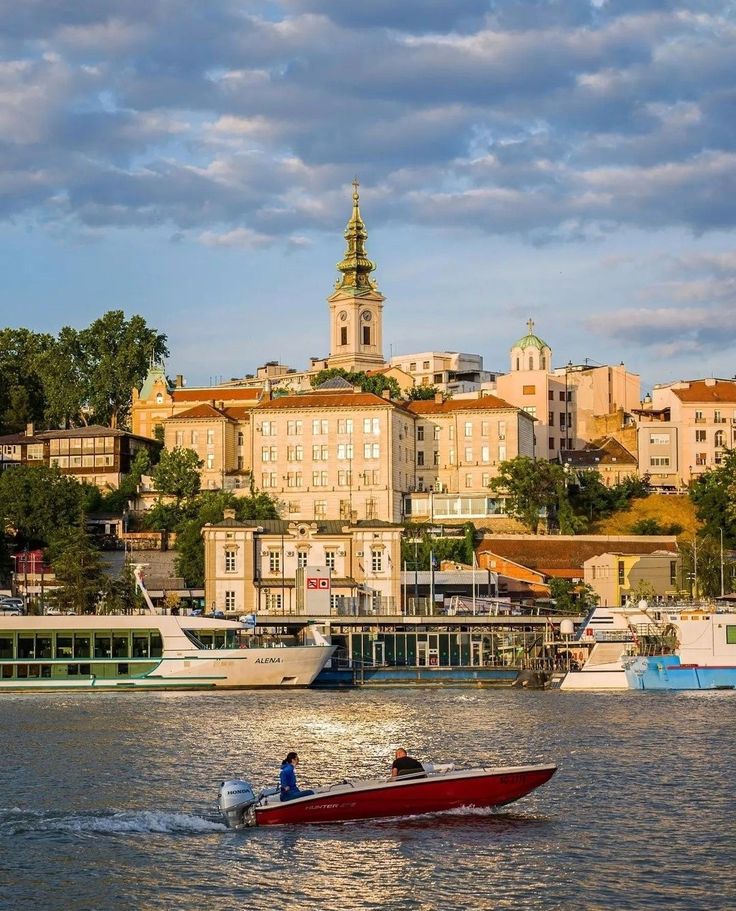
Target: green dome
[(530, 340)]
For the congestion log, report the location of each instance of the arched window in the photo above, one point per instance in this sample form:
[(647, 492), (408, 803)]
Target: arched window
[(531, 362), (720, 438), (544, 362), (518, 364)]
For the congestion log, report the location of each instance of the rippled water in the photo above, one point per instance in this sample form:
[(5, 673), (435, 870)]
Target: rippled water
[(107, 802)]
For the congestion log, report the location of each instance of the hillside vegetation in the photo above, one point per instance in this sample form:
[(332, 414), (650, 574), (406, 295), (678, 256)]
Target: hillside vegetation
[(664, 509)]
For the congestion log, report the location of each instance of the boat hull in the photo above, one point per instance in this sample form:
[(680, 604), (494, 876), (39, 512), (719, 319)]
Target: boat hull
[(666, 672), (480, 788)]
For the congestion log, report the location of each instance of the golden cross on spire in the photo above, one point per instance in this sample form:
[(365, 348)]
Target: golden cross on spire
[(356, 184), (530, 325)]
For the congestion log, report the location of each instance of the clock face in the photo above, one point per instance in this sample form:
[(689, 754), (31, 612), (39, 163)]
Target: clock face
[(343, 315), (367, 316)]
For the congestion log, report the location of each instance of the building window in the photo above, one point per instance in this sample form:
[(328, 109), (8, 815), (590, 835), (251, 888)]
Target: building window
[(366, 335), (229, 601), (370, 477), (330, 556), (194, 438), (274, 603), (268, 429), (320, 509), (344, 451), (529, 390), (371, 450), (319, 453), (660, 461), (502, 453), (673, 573), (420, 458), (468, 428), (179, 439), (268, 454), (485, 454), (293, 507), (551, 442), (420, 433), (345, 509), (319, 479), (700, 436), (268, 479), (274, 561), (344, 478), (719, 439), (451, 457), (468, 453), (294, 479), (210, 460), (621, 572), (663, 439), (293, 428), (241, 438), (485, 480), (210, 437), (371, 508), (302, 558), (436, 460), (701, 458), (294, 453), (436, 434), (345, 425), (468, 480), (319, 428), (376, 560)]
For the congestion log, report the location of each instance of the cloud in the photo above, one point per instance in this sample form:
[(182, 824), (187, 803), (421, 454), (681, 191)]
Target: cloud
[(238, 237)]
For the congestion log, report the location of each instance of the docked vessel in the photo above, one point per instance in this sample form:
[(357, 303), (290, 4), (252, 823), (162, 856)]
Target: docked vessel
[(438, 789), (151, 651), (705, 657), (657, 647)]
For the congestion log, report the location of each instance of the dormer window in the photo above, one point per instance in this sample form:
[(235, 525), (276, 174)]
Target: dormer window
[(159, 398)]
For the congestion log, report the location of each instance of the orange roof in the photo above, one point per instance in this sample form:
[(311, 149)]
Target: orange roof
[(560, 555), (485, 403), (203, 411), (700, 391), (328, 400), (217, 394)]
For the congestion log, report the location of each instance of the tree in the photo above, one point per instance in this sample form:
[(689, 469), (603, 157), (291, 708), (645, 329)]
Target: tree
[(38, 503), (77, 565), (21, 387), (701, 566), (375, 384), (177, 474), (651, 526), (531, 487), (418, 544), (117, 353), (571, 597), (714, 495), (121, 595), (116, 501), (62, 369), (422, 393)]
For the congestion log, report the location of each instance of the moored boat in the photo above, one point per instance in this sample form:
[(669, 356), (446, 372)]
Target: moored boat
[(439, 789)]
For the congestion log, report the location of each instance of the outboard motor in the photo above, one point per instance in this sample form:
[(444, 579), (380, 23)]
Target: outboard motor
[(237, 802)]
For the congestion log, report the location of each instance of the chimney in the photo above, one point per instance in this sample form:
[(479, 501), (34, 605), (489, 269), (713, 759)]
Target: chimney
[(710, 381), (29, 429), (267, 391), (179, 381), (221, 406), (229, 514), (386, 394), (439, 398)]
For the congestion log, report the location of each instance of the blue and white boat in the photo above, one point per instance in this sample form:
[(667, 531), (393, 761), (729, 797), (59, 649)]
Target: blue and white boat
[(704, 659)]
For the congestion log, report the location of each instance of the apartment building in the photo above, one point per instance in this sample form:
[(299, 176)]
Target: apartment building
[(685, 429), (615, 577), (459, 446), (266, 566), (451, 372)]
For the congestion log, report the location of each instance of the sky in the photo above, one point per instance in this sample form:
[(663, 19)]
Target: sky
[(191, 161)]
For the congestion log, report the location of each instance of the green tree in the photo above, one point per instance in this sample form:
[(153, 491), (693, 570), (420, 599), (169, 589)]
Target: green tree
[(77, 565), (714, 495), (177, 474), (419, 543), (375, 384), (121, 595), (531, 487), (701, 566), (571, 597), (38, 503), (422, 393), (61, 366), (21, 387), (116, 500), (117, 353)]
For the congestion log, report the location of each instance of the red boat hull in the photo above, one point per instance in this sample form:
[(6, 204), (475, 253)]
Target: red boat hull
[(480, 788)]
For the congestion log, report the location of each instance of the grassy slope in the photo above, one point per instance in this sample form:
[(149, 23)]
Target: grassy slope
[(665, 509)]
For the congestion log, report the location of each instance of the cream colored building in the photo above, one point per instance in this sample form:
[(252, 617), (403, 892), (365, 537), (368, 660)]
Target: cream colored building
[(260, 567), (451, 372), (615, 577), (685, 429), (563, 400)]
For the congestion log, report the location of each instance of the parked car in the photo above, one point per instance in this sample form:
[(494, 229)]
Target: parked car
[(12, 607)]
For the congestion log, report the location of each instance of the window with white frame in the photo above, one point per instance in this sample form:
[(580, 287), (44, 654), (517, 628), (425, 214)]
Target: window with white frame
[(274, 561), (210, 437), (420, 433), (294, 453), (330, 559), (293, 428), (274, 603), (319, 479), (436, 433), (241, 438), (344, 451), (451, 457), (268, 428), (468, 453), (468, 480), (344, 478), (294, 479), (229, 601), (502, 452), (468, 428), (230, 561), (319, 428), (194, 438), (268, 454), (320, 509), (294, 507), (485, 454), (345, 425), (372, 426), (376, 560), (269, 479), (179, 438), (485, 480), (371, 450), (371, 508), (320, 452), (302, 558), (210, 460), (420, 457), (502, 429)]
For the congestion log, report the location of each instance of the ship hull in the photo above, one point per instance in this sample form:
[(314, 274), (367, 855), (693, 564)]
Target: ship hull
[(666, 672)]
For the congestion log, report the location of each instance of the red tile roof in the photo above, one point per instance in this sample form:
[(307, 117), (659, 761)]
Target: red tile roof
[(564, 555), (485, 403), (327, 400), (216, 394), (718, 391), (199, 411)]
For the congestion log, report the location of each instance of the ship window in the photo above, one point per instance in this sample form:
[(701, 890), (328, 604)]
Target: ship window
[(82, 647), (63, 646), (72, 670), (21, 670), (731, 635), (43, 647), (85, 670), (123, 670), (197, 642), (34, 670), (140, 646), (119, 646), (102, 646), (26, 647), (219, 640), (45, 670), (205, 640), (156, 645), (7, 670), (6, 646)]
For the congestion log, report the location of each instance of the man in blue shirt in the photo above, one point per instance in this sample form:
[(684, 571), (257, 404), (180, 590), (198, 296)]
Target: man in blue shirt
[(287, 779)]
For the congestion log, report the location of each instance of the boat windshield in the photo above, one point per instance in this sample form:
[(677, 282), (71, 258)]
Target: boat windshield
[(192, 638)]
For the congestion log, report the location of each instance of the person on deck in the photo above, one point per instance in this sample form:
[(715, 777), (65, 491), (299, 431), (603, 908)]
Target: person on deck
[(287, 779), (405, 765)]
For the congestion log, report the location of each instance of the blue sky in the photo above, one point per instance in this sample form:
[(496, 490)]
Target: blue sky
[(568, 160)]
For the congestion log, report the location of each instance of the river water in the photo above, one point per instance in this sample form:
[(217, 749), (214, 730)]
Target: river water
[(107, 802)]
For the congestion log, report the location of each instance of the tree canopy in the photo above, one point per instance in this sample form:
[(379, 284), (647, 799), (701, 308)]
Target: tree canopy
[(78, 377), (422, 393), (532, 488), (714, 496), (38, 503), (77, 565), (375, 384), (177, 474)]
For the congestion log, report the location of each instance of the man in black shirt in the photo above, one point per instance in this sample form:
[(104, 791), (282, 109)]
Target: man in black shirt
[(405, 765)]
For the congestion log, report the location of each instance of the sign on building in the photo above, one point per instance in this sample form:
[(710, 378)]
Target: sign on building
[(314, 586)]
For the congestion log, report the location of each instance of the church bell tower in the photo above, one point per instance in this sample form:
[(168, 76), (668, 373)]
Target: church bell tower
[(356, 305)]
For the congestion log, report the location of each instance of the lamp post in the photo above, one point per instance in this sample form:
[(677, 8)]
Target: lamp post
[(723, 590)]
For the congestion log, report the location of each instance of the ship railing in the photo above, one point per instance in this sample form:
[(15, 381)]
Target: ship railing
[(614, 635)]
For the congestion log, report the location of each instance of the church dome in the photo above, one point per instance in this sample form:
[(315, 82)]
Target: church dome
[(530, 340)]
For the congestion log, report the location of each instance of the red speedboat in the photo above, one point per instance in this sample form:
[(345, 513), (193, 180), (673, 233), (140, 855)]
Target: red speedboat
[(436, 790)]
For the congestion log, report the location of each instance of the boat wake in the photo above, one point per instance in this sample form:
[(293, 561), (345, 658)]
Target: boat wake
[(15, 821)]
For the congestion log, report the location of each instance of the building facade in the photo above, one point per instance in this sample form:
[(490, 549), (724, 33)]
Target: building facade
[(615, 577), (265, 567)]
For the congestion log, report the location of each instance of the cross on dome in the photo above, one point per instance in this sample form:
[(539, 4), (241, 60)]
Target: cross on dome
[(530, 324)]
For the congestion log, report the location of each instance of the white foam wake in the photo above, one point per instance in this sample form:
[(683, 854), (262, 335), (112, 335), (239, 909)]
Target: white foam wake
[(140, 821)]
